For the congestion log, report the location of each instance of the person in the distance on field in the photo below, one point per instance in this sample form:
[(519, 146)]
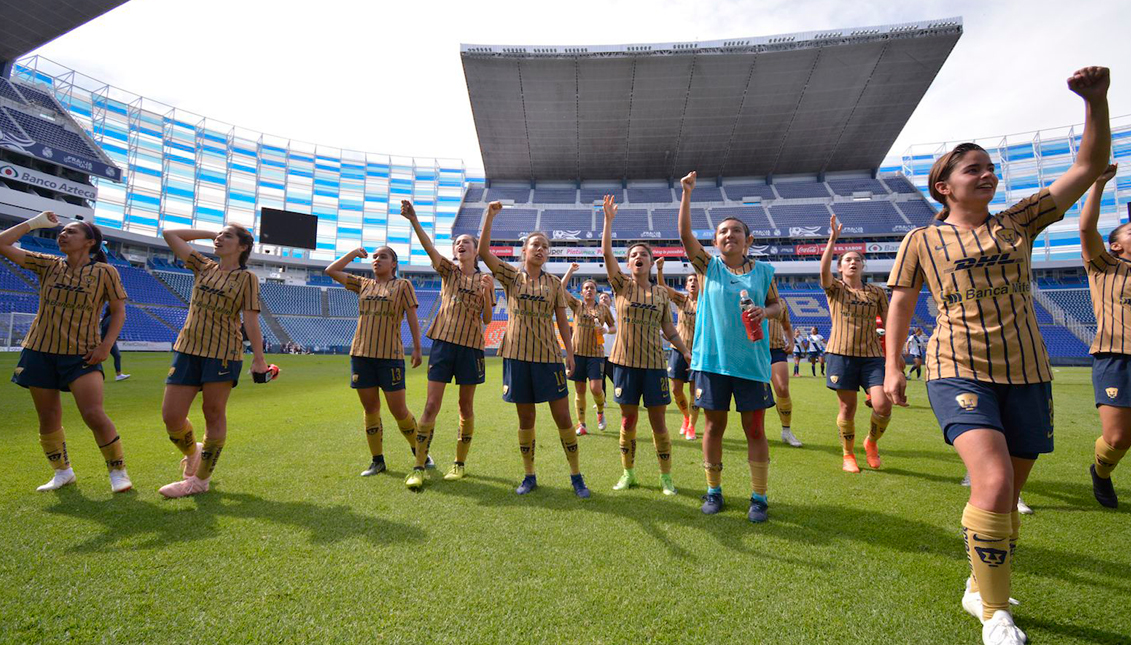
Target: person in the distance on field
[(104, 330), (678, 368), (592, 321)]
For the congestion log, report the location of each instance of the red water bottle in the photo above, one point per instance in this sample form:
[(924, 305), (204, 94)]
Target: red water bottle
[(753, 330)]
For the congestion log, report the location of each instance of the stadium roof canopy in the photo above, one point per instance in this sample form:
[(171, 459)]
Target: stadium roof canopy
[(25, 25), (796, 103)]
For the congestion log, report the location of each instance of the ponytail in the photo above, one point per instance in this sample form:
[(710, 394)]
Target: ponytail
[(96, 251), (246, 239), (941, 170)]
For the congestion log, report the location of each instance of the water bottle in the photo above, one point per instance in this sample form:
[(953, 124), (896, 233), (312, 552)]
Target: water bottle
[(266, 377), (753, 330)]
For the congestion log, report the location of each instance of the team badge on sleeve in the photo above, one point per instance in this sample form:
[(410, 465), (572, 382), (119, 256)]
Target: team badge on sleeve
[(967, 401)]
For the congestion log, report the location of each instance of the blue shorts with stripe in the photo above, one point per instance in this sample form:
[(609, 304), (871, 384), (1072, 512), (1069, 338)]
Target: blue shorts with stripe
[(630, 384), (51, 371), (853, 372), (530, 382), (195, 371), (714, 392), (385, 373), (1111, 380), (447, 360), (1023, 413), (588, 368), (678, 367)]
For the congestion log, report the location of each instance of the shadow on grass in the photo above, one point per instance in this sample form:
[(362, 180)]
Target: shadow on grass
[(1086, 634), (132, 524)]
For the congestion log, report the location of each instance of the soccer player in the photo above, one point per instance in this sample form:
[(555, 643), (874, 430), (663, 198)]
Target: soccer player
[(781, 339), (914, 348), (104, 330), (63, 350), (725, 362), (591, 322), (679, 369), (644, 312), (377, 354), (532, 358), (816, 351), (855, 357), (800, 348), (467, 296), (988, 375), (1108, 273), (208, 354)]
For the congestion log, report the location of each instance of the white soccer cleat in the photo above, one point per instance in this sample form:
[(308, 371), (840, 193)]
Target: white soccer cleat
[(1022, 507), (121, 377), (601, 425), (188, 486), (1000, 630), (120, 481), (972, 602), (61, 479), (787, 437)]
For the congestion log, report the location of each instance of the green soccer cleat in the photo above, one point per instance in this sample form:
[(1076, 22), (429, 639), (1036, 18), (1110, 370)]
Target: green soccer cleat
[(667, 484), (415, 479), (454, 473), (626, 481)]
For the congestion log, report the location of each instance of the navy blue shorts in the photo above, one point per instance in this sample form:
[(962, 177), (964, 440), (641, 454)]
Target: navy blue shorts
[(714, 391), (630, 384), (588, 368), (1023, 413), (678, 367), (447, 360), (778, 356), (193, 370), (51, 371), (530, 382), (853, 372), (385, 373), (1111, 380), (814, 355)]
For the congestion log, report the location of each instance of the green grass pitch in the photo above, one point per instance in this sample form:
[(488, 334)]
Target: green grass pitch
[(291, 546)]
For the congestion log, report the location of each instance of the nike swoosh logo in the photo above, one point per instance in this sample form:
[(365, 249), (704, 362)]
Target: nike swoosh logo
[(223, 373)]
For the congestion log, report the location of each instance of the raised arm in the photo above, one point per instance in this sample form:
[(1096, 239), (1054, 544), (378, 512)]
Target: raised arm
[(898, 325), (827, 257), (1091, 242), (611, 266), (337, 269), (485, 237), (691, 246), (409, 213), (8, 239), (672, 293), (414, 330), (573, 267), (488, 297), (1091, 83), (178, 240)]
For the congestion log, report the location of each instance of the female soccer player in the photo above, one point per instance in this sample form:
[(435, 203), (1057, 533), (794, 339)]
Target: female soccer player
[(591, 322), (800, 348), (781, 339), (855, 358), (377, 354), (104, 330), (725, 362), (1108, 273), (988, 375), (915, 346), (467, 296), (62, 351), (208, 354), (644, 312), (816, 351), (532, 359), (679, 369)]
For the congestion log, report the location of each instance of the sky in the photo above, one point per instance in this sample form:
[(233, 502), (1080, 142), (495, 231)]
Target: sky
[(386, 76)]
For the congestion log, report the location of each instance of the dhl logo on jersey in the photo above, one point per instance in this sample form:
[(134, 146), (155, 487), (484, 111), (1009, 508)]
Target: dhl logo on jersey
[(643, 305), (974, 293), (531, 297), (993, 260), (376, 298)]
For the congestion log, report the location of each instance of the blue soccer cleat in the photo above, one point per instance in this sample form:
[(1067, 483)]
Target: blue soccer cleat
[(579, 486), (758, 508), (712, 503), (529, 483)]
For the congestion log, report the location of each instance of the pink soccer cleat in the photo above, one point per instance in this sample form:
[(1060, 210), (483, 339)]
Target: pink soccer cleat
[(188, 486)]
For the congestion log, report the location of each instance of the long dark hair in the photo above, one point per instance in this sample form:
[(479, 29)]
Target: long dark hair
[(246, 239), (941, 170), (396, 260), (93, 233)]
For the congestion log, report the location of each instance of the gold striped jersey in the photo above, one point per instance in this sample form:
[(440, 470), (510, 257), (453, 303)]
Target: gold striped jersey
[(853, 313), (640, 311), (213, 326), (531, 305), (1111, 300), (460, 319), (70, 303), (381, 307), (778, 339), (588, 324), (980, 280), (685, 324)]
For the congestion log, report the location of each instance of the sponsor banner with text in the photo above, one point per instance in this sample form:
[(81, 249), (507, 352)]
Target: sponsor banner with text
[(12, 172)]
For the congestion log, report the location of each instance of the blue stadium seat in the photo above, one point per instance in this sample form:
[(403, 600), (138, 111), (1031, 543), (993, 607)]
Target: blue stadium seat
[(519, 195), (735, 192), (919, 213), (650, 195), (596, 194), (554, 196), (291, 299), (801, 189), (845, 187)]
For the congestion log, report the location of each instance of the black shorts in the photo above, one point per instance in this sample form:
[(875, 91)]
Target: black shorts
[(678, 367), (814, 355), (853, 372), (530, 382), (588, 368), (51, 371), (448, 360), (1023, 413), (385, 373), (630, 384), (195, 371), (714, 391), (1111, 380), (778, 356)]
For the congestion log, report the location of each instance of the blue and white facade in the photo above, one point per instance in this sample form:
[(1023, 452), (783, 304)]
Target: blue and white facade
[(183, 170), (1030, 161)]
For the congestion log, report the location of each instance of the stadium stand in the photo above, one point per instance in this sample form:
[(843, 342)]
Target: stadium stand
[(13, 278), (801, 189), (919, 213), (652, 195), (706, 194), (50, 134), (554, 196), (596, 194), (291, 299), (899, 184), (140, 326), (787, 215), (143, 288), (754, 216), (518, 195), (868, 213), (180, 282), (342, 302), (737, 192), (845, 187)]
